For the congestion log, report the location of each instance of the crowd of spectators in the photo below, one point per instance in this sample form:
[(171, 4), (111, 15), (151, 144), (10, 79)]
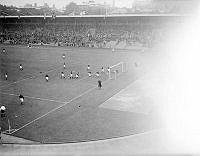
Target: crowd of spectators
[(77, 36)]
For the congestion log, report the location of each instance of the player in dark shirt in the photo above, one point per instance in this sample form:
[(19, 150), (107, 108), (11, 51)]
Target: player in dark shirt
[(21, 98), (99, 84)]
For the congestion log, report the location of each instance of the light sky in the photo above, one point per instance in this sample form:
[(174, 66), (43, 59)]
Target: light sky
[(61, 3)]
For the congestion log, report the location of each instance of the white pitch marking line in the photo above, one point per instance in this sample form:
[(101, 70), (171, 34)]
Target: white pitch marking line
[(55, 109), (29, 78), (122, 91), (65, 103), (31, 97), (82, 51), (35, 47), (38, 98)]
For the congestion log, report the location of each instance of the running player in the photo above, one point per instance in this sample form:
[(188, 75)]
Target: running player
[(89, 74), (64, 66), (47, 78), (77, 75), (88, 68), (62, 75), (6, 76), (20, 67), (99, 84), (97, 74), (21, 98)]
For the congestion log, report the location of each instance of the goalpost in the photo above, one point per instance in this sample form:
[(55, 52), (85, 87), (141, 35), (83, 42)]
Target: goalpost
[(115, 70)]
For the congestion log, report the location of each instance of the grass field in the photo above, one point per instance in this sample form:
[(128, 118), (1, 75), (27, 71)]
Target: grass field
[(66, 110)]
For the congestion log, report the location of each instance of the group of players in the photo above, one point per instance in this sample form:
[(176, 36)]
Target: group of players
[(71, 75)]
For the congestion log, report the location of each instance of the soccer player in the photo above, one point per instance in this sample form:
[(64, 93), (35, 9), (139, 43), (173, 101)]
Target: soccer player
[(20, 67), (62, 75), (6, 76), (64, 66), (88, 68), (47, 78), (63, 56), (4, 51), (77, 75), (108, 69), (97, 74), (89, 74), (3, 109), (99, 84), (102, 70), (71, 75), (21, 98)]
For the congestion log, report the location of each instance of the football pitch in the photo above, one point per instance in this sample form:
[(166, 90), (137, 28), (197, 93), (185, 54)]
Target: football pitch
[(66, 110)]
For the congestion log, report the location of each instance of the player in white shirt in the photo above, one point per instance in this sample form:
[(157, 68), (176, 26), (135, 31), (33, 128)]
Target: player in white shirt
[(47, 78), (6, 76), (108, 69), (3, 111), (88, 68), (4, 51), (63, 56), (89, 74), (71, 75), (21, 98), (97, 74), (62, 75), (20, 67), (77, 76), (64, 66)]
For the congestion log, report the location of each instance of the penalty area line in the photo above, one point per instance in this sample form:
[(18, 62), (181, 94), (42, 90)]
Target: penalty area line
[(53, 110), (65, 103)]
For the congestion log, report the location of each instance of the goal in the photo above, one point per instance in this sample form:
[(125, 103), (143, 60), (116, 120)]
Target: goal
[(116, 70)]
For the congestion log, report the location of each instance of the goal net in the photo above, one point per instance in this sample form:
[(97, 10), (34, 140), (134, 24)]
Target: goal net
[(116, 70)]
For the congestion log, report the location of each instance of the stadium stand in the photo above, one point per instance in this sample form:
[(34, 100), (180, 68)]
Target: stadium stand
[(120, 32)]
